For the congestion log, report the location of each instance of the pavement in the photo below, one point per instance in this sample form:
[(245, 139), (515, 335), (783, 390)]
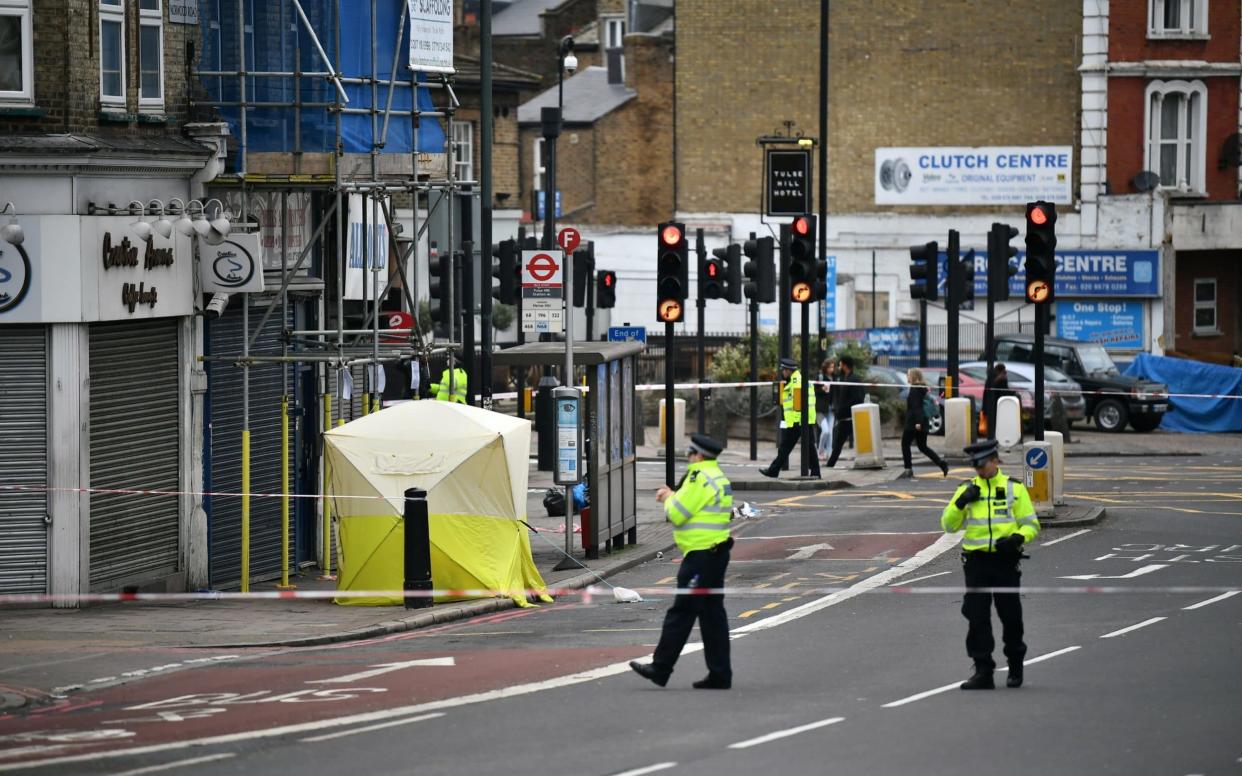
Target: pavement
[(305, 622)]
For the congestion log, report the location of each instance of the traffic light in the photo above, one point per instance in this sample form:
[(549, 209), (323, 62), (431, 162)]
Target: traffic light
[(966, 278), (802, 269), (731, 257), (672, 272), (605, 289), (1041, 244), (712, 276), (584, 270), (925, 271), (760, 270), (999, 254), (439, 273), (505, 270)]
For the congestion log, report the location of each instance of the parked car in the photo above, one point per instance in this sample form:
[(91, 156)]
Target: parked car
[(1022, 380), (1112, 399), (887, 376)]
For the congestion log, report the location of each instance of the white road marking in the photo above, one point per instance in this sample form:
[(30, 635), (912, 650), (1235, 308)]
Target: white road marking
[(1220, 597), (936, 548), (955, 685), (369, 728), (918, 579), (807, 552), (945, 542), (1136, 573), (384, 668), (648, 769), (1063, 538), (178, 764), (1135, 627), (785, 733)]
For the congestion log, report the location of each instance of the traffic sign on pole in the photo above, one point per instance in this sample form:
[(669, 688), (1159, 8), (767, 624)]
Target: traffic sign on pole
[(543, 290), (569, 239)]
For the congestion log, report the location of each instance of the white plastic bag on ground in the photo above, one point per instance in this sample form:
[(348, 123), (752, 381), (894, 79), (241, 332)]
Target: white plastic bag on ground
[(623, 595)]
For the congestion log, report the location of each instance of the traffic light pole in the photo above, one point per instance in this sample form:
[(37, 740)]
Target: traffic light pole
[(485, 200), (701, 336), (922, 334), (785, 318), (951, 305), (754, 378), (670, 467), (808, 437), (590, 305), (1041, 322)]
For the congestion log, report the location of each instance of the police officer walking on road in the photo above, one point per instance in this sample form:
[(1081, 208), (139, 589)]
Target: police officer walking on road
[(452, 385), (699, 511), (999, 518), (792, 420)]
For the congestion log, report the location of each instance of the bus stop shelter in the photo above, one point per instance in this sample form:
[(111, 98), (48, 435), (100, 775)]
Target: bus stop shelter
[(610, 469)]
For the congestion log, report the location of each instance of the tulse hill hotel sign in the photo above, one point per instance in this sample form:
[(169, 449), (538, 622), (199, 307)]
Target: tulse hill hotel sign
[(94, 268)]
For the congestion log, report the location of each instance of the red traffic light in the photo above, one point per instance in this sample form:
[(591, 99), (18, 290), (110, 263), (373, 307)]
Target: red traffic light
[(802, 226), (1038, 216), (608, 279), (713, 269), (670, 235)]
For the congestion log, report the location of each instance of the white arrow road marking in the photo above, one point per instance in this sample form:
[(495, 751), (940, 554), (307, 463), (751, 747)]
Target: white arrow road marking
[(805, 553), (384, 668), (1131, 575)]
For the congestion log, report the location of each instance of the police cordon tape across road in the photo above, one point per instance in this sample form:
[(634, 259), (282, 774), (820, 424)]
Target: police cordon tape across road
[(588, 594)]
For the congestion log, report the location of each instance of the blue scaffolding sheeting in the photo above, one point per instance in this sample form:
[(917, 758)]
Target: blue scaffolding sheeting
[(276, 41)]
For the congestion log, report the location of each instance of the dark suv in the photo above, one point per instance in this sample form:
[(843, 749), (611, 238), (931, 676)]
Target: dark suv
[(1113, 399)]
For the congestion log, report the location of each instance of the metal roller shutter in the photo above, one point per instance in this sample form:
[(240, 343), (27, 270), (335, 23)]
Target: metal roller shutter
[(135, 443), (266, 385), (23, 459)]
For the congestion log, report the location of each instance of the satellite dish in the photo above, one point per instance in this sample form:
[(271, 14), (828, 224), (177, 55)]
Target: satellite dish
[(1145, 181)]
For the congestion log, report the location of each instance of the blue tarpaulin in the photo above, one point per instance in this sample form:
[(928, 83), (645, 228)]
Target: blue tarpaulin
[(276, 40), (1188, 413)]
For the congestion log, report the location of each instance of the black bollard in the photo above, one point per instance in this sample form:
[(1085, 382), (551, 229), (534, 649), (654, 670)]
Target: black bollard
[(417, 549), (545, 411)]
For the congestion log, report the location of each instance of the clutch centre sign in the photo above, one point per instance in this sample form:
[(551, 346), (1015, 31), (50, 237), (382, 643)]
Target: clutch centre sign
[(993, 175)]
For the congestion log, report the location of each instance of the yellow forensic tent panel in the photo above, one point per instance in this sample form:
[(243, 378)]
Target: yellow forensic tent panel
[(473, 464)]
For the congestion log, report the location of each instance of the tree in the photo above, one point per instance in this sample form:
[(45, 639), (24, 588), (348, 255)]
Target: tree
[(503, 316)]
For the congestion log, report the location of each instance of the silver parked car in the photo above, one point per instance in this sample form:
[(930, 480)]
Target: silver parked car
[(1056, 383)]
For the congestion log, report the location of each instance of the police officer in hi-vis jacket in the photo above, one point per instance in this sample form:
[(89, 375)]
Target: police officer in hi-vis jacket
[(700, 511), (998, 517)]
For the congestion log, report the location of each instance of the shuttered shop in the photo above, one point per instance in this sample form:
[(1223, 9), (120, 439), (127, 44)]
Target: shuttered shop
[(135, 444), (266, 386), (23, 459)]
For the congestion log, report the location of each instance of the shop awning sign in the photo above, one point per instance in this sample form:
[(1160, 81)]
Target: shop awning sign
[(232, 266)]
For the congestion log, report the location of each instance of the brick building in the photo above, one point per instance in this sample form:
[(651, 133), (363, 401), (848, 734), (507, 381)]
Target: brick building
[(100, 324), (1161, 83)]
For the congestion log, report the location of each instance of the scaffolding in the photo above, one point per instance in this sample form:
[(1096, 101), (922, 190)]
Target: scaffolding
[(328, 125)]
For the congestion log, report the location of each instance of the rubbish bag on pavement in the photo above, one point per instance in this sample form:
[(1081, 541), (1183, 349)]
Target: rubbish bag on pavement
[(554, 502)]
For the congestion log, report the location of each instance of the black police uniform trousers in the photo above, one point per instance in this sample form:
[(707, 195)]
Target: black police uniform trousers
[(700, 568), (991, 569), (790, 436), (842, 432)]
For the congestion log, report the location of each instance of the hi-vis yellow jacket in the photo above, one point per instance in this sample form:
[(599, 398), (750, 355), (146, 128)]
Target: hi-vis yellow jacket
[(701, 507), (1003, 508), (441, 389), (793, 411)]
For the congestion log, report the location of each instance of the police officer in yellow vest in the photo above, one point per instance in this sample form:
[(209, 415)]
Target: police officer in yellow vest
[(791, 421), (999, 518), (699, 511), (451, 391)]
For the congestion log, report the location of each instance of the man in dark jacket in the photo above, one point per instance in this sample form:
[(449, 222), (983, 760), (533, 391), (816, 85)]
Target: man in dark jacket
[(844, 397)]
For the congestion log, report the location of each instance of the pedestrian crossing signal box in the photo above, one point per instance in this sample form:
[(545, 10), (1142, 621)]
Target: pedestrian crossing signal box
[(568, 402)]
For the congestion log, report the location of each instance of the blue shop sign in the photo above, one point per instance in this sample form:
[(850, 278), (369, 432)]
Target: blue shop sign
[(1115, 325), (829, 306), (887, 340), (1087, 273)]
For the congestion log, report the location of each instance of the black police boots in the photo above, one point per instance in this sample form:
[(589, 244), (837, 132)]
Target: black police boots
[(1015, 675), (649, 671), (713, 682), (980, 680)]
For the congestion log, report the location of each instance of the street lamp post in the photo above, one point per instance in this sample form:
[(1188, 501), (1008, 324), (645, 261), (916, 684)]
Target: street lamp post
[(551, 121)]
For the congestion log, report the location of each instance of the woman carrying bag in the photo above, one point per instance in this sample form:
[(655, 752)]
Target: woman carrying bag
[(918, 406)]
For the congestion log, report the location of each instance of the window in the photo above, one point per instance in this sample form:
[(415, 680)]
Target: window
[(864, 302), (111, 52), (16, 52), (537, 167), (1176, 18), (1205, 306), (463, 150), (614, 32), (150, 54), (1176, 113)]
